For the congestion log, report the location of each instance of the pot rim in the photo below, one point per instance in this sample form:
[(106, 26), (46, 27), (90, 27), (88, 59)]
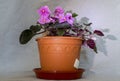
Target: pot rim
[(66, 37)]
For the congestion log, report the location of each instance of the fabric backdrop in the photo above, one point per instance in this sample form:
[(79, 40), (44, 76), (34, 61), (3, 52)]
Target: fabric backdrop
[(17, 15)]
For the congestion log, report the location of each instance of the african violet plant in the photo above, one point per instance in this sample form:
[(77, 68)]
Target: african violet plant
[(61, 23)]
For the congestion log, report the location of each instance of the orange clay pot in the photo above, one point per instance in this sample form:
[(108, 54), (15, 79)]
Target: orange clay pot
[(58, 54)]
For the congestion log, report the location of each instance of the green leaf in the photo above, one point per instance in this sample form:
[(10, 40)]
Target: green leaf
[(26, 36), (60, 32), (62, 25), (95, 49), (35, 28), (89, 24), (74, 15), (69, 11)]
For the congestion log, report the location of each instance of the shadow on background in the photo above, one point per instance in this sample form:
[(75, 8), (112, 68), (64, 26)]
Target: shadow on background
[(87, 55)]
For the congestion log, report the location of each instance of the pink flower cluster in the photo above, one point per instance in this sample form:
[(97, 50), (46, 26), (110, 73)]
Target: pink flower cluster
[(58, 15)]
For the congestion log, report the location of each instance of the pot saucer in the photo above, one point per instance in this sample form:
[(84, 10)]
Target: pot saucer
[(58, 75)]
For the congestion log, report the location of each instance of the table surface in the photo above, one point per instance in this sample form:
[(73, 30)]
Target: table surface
[(30, 76)]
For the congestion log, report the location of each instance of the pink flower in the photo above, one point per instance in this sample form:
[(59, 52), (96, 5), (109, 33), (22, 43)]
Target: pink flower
[(61, 18), (52, 20), (44, 20), (44, 11), (58, 10), (69, 18)]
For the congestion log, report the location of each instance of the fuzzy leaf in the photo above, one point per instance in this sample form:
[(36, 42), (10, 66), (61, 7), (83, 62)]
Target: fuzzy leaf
[(89, 24), (98, 32), (35, 28), (52, 32), (81, 30), (88, 31), (75, 30), (74, 15), (60, 32), (95, 49), (68, 34), (62, 25), (25, 36), (91, 43)]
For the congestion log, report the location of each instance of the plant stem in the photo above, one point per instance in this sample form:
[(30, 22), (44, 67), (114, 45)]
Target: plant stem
[(40, 32)]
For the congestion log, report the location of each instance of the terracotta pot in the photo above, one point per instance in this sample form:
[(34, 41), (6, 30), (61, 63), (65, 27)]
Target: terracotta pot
[(59, 54)]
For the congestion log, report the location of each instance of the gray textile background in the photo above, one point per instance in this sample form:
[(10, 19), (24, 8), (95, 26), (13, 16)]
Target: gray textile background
[(17, 15)]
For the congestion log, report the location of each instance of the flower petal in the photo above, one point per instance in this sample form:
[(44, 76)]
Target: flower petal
[(44, 20), (44, 11), (69, 18), (58, 10)]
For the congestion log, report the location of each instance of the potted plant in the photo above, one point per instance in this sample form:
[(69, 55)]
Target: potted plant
[(62, 37)]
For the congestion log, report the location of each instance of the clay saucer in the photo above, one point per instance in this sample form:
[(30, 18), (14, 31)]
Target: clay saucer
[(58, 75)]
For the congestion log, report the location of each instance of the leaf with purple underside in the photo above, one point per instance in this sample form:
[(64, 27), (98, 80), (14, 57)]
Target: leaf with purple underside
[(98, 32), (91, 43)]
